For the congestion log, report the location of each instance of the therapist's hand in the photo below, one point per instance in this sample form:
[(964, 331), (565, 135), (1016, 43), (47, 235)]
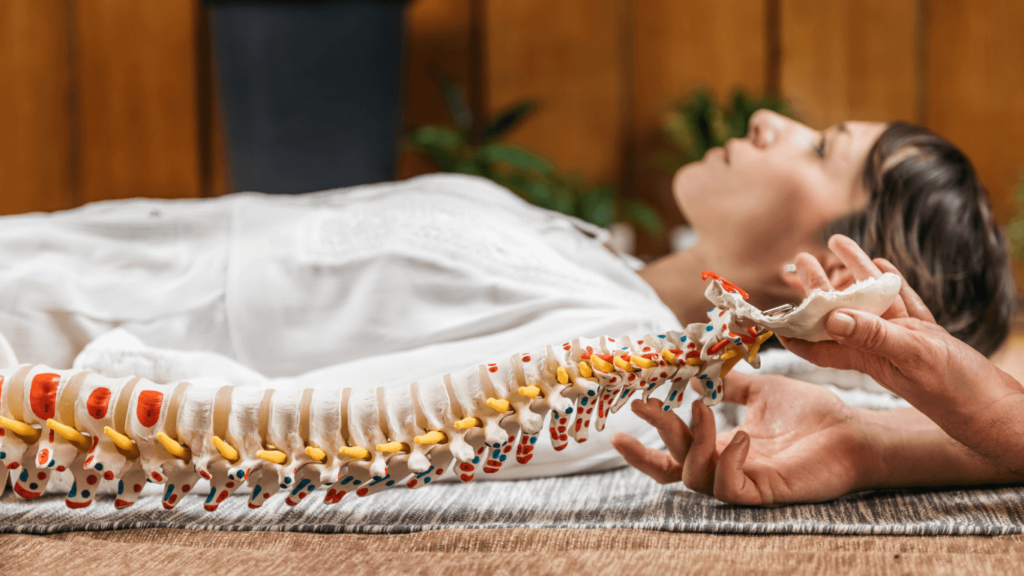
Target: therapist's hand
[(908, 353), (798, 443)]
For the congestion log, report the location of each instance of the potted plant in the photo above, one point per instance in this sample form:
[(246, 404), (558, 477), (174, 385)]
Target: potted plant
[(472, 145)]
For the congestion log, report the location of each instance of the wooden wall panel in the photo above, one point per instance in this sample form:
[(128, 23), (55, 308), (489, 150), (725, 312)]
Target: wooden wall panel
[(569, 56), (849, 59), (681, 46), (975, 88), (138, 99), (439, 34), (35, 136)]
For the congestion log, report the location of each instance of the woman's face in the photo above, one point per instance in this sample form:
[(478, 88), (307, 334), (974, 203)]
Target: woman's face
[(760, 200)]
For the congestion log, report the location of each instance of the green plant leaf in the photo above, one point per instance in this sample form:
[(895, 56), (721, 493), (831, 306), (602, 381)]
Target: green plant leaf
[(442, 144), (598, 206), (455, 100), (644, 217), (508, 119), (516, 157)]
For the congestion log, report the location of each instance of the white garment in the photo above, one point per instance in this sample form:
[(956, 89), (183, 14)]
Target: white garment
[(371, 286)]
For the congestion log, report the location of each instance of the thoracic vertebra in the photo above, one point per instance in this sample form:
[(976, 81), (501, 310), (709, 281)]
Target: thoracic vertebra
[(136, 431)]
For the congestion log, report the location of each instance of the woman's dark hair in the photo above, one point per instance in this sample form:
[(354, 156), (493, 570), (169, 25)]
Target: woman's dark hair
[(930, 216)]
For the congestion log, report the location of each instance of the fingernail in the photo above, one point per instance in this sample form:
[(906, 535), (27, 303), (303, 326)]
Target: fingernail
[(738, 439), (841, 325)]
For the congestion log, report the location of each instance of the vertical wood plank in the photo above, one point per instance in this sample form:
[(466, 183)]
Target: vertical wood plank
[(849, 59), (975, 89), (35, 141), (138, 99), (438, 36), (566, 56), (682, 46)]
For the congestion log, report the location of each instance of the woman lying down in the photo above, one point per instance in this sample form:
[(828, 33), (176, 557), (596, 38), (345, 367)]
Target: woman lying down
[(270, 342)]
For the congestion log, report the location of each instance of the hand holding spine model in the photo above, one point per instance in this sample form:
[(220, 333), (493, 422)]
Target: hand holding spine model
[(135, 431)]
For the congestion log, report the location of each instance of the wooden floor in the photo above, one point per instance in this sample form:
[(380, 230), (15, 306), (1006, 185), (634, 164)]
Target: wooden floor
[(512, 552)]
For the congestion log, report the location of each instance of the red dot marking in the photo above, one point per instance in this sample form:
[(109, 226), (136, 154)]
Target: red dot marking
[(439, 471), (87, 462), (44, 457), (98, 402), (186, 489), (41, 475), (158, 477), (90, 480), (230, 485), (108, 475), (137, 488), (172, 499), (148, 408), (223, 495), (61, 468), (411, 483), (43, 395)]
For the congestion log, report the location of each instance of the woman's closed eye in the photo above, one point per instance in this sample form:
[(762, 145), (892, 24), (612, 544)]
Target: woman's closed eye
[(820, 149)]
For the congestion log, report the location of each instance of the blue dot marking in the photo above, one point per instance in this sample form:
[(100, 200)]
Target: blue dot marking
[(74, 490)]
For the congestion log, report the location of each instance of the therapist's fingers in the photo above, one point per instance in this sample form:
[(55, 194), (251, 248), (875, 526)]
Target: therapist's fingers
[(700, 463), (657, 464), (887, 351), (916, 307), (862, 267), (812, 275), (674, 433), (731, 483)]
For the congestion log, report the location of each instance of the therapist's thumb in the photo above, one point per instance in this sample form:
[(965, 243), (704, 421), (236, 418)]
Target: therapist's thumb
[(869, 333)]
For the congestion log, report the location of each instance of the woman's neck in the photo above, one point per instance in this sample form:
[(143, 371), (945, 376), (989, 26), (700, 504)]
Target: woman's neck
[(676, 279)]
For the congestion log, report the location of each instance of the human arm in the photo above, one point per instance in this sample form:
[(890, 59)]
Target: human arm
[(800, 443), (907, 352)]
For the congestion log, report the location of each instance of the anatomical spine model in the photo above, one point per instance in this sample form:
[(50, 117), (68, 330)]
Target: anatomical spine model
[(136, 431)]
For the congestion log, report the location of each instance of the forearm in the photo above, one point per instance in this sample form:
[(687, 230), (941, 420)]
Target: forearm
[(911, 450)]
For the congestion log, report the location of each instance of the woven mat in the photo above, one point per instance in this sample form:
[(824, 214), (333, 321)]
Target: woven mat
[(621, 498)]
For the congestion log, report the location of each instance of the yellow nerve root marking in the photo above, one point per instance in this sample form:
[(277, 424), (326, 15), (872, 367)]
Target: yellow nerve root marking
[(585, 370), (123, 443), (26, 431), (623, 363), (393, 447), (275, 456), (467, 423), (498, 404), (174, 447), (432, 437), (225, 449), (530, 391), (757, 345), (694, 361), (601, 365), (70, 434), (316, 453), (643, 362), (730, 353), (563, 376), (357, 452), (668, 355)]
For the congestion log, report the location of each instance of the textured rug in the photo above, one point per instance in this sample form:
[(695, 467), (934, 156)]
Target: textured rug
[(621, 498)]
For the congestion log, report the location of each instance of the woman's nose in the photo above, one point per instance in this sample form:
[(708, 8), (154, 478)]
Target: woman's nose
[(765, 127)]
